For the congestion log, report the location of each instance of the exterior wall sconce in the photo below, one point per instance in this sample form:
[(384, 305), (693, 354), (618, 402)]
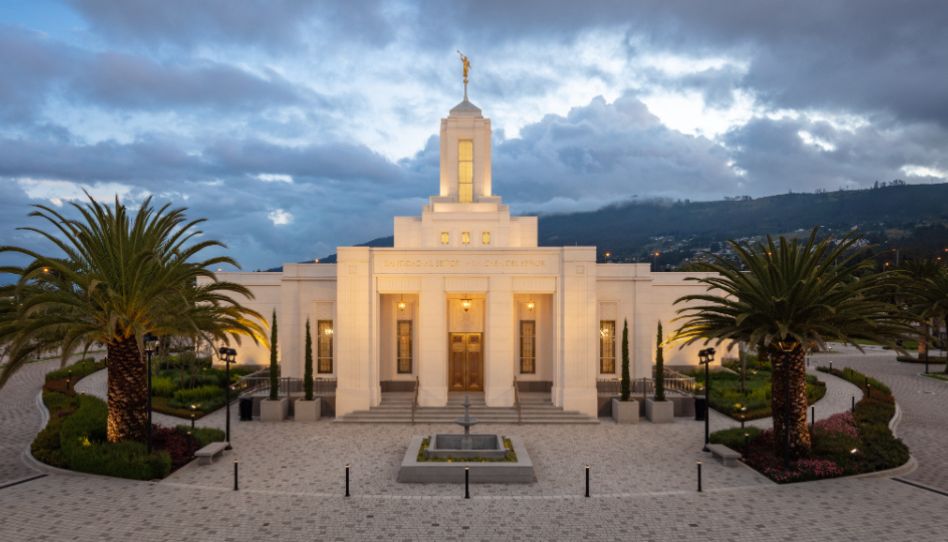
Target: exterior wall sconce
[(466, 304), (401, 304)]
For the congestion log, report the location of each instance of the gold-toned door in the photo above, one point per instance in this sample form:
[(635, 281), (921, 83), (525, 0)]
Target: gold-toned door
[(466, 362)]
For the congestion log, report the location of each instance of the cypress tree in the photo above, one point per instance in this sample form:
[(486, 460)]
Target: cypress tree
[(626, 379), (274, 368), (659, 366), (308, 365)]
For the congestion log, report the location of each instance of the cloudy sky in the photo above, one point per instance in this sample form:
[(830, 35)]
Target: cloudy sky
[(297, 125)]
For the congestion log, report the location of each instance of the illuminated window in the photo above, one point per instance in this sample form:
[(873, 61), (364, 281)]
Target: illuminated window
[(466, 237), (607, 346), (324, 347), (485, 238), (465, 171), (528, 346), (445, 238), (404, 346)]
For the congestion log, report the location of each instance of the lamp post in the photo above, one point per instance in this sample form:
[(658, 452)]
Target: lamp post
[(229, 355), (706, 357), (151, 344)]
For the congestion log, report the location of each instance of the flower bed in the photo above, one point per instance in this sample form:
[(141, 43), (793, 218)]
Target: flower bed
[(75, 439), (843, 444)]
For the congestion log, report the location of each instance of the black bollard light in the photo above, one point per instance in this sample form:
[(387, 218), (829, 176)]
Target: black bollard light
[(193, 415), (831, 366), (868, 389), (699, 476), (467, 482), (587, 480), (812, 418), (347, 479), (746, 439), (853, 407), (236, 486)]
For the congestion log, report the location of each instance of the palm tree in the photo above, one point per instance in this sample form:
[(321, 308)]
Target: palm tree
[(117, 278), (793, 294), (923, 275), (931, 301)]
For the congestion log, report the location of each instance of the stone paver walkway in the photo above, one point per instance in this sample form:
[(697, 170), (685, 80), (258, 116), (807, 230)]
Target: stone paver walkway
[(20, 419), (924, 404), (292, 482), (838, 398)]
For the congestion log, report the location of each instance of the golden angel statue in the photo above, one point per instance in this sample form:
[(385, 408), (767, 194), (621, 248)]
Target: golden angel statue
[(465, 66)]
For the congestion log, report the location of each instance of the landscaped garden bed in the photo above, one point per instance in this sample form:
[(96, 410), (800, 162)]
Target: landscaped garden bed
[(64, 379), (185, 384), (728, 399), (75, 439), (843, 444)]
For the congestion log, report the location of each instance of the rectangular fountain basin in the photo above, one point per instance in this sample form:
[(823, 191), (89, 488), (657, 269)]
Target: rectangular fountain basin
[(485, 446), (481, 472)]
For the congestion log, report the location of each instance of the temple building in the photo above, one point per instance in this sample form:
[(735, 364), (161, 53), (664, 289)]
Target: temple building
[(466, 301)]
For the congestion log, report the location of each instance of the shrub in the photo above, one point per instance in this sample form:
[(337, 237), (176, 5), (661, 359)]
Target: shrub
[(203, 435), (204, 394), (162, 386), (733, 438), (77, 370)]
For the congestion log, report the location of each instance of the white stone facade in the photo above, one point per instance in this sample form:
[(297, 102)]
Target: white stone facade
[(446, 305)]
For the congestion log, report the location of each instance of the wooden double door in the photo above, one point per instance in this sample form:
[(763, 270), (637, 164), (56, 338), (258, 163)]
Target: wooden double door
[(466, 362)]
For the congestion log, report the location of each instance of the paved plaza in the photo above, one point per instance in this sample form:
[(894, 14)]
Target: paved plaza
[(643, 483)]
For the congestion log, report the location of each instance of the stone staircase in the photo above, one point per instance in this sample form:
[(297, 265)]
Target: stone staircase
[(536, 408)]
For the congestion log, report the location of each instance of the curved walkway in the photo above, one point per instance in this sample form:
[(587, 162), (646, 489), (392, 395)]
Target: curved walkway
[(924, 404), (838, 398), (81, 507)]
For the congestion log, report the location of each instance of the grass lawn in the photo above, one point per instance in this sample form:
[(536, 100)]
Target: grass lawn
[(727, 398)]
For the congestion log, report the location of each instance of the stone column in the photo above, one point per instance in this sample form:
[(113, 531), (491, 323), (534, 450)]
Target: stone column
[(432, 343), (352, 335), (579, 331), (499, 343)]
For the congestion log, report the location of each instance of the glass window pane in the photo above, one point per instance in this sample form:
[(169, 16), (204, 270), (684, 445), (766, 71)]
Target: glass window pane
[(607, 346), (528, 347), (404, 346), (465, 150), (324, 333)]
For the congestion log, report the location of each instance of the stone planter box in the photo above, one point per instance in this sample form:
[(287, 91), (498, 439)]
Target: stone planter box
[(482, 472), (659, 411), (307, 411), (274, 411), (625, 411)]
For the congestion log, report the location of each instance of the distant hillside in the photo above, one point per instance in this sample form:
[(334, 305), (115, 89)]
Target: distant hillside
[(889, 215), (624, 227)]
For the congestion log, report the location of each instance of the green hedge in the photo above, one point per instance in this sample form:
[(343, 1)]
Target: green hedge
[(203, 435), (733, 438), (75, 439), (77, 370), (202, 395)]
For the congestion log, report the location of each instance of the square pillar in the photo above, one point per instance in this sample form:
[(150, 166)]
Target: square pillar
[(499, 347), (352, 333), (432, 343), (578, 331)]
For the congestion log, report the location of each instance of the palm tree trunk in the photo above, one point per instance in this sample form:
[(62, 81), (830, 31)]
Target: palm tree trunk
[(789, 403), (128, 392)]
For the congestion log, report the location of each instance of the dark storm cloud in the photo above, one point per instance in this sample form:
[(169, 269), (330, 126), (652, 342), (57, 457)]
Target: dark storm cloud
[(608, 151), (855, 55), (777, 159), (36, 68), (276, 24)]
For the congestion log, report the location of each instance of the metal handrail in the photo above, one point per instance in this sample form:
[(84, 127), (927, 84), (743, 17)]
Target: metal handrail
[(517, 401), (414, 401)]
